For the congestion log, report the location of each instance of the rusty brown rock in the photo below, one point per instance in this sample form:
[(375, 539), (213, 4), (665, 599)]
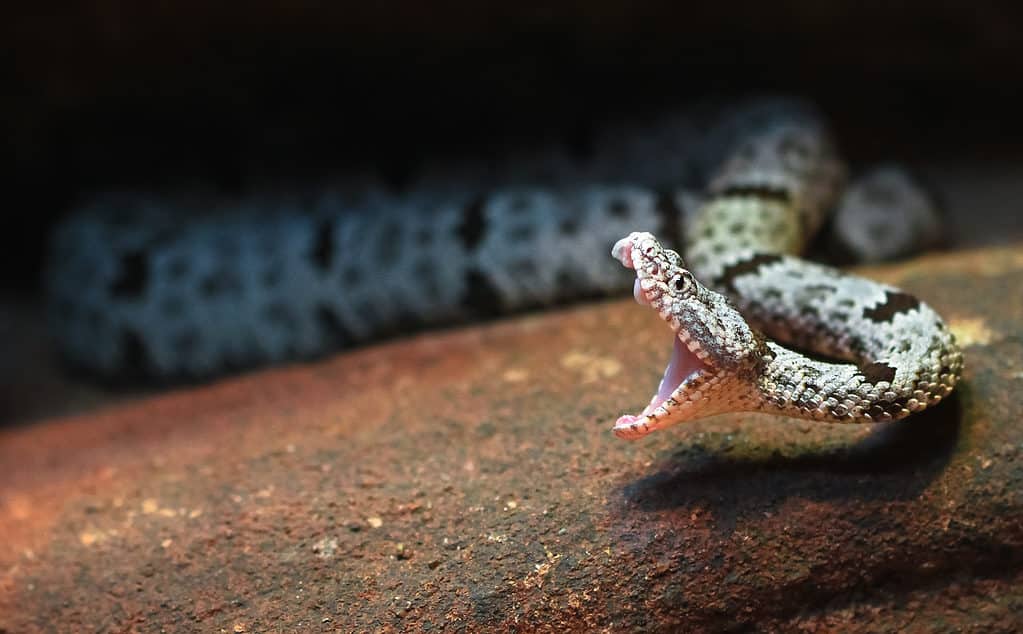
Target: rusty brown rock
[(468, 481)]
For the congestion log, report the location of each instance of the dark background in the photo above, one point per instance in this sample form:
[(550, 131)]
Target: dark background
[(157, 95)]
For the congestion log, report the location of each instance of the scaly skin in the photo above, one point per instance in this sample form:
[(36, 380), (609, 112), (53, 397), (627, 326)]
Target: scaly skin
[(764, 205)]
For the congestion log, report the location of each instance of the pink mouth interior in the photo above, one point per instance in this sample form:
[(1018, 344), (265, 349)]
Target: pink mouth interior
[(681, 367)]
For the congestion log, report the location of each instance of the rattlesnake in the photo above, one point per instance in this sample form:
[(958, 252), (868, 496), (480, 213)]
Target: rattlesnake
[(136, 283), (775, 189)]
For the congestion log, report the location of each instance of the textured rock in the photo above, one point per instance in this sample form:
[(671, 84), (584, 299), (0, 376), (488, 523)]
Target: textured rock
[(468, 480)]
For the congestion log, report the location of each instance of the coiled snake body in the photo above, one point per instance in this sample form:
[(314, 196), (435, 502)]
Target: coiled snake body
[(901, 358), (139, 284)]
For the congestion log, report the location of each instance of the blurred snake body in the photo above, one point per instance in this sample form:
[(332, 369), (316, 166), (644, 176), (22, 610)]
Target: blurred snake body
[(177, 287)]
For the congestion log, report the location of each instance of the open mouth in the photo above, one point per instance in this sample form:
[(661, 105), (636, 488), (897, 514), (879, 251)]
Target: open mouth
[(682, 368), (685, 364)]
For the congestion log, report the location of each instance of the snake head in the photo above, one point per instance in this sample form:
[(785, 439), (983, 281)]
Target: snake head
[(715, 352)]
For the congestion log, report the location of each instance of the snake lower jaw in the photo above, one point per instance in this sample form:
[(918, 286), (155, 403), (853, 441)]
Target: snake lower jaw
[(677, 398)]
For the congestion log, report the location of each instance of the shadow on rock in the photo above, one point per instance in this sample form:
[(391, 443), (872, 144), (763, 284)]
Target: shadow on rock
[(895, 462), (776, 529)]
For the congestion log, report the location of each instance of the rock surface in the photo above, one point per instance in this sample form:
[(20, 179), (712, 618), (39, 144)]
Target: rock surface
[(468, 481)]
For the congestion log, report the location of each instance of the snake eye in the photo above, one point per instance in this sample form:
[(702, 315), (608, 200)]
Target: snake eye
[(682, 282)]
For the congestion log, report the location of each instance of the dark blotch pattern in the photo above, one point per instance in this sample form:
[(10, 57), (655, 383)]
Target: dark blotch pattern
[(766, 192), (671, 216), (836, 317), (619, 208), (221, 283), (134, 274), (134, 354), (877, 372), (576, 287), (480, 295), (899, 404), (744, 267), (857, 345), (895, 302), (322, 254), (474, 224), (332, 326)]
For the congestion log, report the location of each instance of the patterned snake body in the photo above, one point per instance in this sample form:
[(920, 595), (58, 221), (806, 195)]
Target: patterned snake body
[(138, 285), (772, 193)]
